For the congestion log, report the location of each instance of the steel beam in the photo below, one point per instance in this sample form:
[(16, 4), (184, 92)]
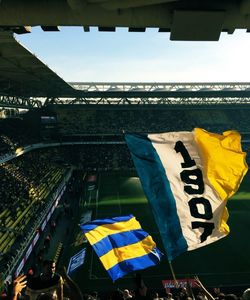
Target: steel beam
[(18, 102)]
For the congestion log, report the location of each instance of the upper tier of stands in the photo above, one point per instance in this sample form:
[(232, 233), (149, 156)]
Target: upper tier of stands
[(76, 122), (82, 121)]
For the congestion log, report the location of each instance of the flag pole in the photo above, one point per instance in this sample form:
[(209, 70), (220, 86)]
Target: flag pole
[(172, 272)]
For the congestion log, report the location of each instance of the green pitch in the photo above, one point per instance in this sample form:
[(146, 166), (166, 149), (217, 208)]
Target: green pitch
[(226, 262)]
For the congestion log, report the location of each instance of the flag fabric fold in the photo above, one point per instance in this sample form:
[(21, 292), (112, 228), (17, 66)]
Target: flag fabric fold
[(187, 178), (121, 245)]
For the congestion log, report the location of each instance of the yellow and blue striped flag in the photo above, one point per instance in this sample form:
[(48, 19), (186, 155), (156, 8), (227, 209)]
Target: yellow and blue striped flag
[(121, 245), (188, 178)]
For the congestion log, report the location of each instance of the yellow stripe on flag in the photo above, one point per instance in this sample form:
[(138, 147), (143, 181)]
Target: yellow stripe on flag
[(103, 231), (224, 161), (118, 255), (224, 164), (223, 223)]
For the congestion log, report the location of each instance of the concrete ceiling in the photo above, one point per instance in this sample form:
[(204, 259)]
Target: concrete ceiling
[(23, 74), (184, 19)]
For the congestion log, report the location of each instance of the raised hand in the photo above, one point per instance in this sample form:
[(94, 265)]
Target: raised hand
[(18, 285)]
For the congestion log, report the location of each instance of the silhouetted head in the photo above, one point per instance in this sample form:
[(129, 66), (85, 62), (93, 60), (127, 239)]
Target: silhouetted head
[(49, 268), (246, 294)]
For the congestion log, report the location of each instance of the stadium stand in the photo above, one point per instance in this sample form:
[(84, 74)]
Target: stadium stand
[(91, 141), (82, 121), (26, 185), (15, 133)]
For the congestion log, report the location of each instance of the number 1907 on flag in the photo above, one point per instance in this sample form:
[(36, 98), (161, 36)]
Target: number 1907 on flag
[(187, 178)]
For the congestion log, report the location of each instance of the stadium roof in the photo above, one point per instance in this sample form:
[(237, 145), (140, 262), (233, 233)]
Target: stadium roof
[(185, 20), (22, 73)]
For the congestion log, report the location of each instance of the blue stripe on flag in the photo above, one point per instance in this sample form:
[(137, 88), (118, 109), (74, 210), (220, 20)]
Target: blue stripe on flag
[(157, 189), (93, 224), (134, 264), (119, 240)]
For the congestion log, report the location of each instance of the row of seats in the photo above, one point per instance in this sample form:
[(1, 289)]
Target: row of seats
[(34, 176), (7, 238), (83, 121)]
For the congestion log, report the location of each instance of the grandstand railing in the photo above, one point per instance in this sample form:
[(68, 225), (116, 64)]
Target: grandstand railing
[(32, 147), (20, 151)]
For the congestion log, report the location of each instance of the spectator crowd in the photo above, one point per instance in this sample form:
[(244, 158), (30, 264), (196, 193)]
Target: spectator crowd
[(27, 182)]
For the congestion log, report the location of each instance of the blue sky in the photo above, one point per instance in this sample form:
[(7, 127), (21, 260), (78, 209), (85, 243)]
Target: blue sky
[(124, 56)]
